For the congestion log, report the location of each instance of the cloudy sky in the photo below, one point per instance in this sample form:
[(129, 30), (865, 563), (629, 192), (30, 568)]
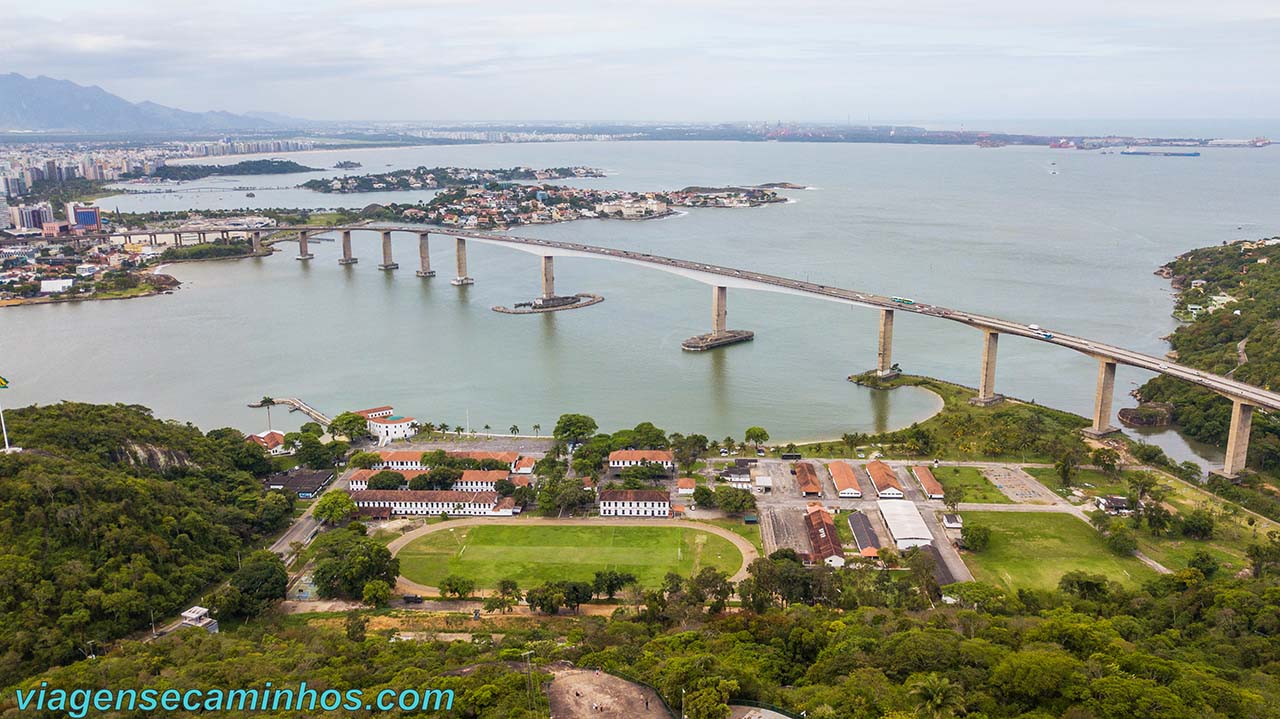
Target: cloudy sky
[(807, 60)]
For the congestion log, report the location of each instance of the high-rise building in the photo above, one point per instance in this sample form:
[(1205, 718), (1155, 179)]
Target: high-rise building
[(5, 223), (87, 216), (31, 217)]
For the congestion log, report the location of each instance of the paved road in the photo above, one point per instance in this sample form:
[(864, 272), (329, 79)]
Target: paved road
[(748, 550)]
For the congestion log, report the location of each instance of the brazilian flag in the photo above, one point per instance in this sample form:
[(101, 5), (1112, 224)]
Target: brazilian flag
[(4, 383)]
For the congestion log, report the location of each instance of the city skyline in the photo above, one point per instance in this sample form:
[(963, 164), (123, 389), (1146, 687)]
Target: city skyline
[(441, 61)]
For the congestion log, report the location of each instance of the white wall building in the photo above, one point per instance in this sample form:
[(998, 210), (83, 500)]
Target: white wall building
[(434, 502), (479, 480), (387, 429), (623, 458), (634, 503)]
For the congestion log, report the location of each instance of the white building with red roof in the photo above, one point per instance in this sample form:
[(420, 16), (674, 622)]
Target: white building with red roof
[(623, 458), (433, 502), (271, 440)]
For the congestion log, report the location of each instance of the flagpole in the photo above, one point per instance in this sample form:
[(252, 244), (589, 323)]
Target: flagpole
[(5, 430)]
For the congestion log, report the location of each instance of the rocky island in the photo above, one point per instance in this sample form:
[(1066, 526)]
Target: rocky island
[(434, 178)]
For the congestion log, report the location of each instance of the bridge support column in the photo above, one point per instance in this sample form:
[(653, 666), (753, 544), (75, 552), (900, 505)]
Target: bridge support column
[(346, 258), (548, 277), (461, 255), (1238, 439), (424, 255), (720, 334), (303, 254), (884, 353), (257, 243), (719, 310), (177, 239), (387, 262), (152, 239), (226, 237), (201, 238), (987, 384), (1102, 401)]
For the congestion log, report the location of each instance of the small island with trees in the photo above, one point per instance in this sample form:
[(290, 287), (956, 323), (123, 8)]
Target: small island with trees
[(432, 178), (186, 173)]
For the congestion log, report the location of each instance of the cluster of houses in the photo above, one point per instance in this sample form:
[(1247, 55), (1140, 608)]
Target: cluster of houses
[(473, 494)]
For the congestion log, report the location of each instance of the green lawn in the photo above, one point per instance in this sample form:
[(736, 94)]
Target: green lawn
[(1090, 481), (1034, 550), (532, 555), (977, 488), (751, 532)]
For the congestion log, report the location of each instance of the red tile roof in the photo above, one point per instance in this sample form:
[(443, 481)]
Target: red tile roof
[(843, 477), (391, 420), (641, 455), (365, 474), (526, 463), (686, 483), (634, 495), (931, 485), (372, 410), (447, 496), (504, 457), (400, 455), (807, 478), (822, 533), (883, 476), (483, 475), (270, 439)]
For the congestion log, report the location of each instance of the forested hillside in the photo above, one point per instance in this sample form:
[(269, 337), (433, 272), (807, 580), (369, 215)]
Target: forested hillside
[(111, 515), (1245, 346), (1183, 647)]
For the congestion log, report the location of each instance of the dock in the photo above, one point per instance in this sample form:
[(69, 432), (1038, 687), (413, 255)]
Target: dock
[(296, 405), (717, 339)]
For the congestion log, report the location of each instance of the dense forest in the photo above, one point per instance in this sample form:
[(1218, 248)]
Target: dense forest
[(1182, 647), (1245, 279), (112, 517), (245, 167)]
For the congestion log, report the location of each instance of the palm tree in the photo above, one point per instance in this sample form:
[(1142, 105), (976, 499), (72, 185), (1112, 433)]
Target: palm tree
[(487, 428), (936, 697), (457, 428), (537, 428), (515, 429), (267, 402)]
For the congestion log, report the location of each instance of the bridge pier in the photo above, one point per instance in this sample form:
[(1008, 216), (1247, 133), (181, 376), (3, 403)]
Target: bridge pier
[(884, 353), (201, 238), (548, 277), (151, 238), (346, 258), (424, 255), (257, 243), (387, 262), (1102, 401), (1238, 439), (226, 237), (303, 254), (987, 383), (461, 255), (720, 335)]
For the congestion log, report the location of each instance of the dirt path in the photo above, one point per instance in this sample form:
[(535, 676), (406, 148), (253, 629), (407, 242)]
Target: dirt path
[(404, 585), (587, 693)]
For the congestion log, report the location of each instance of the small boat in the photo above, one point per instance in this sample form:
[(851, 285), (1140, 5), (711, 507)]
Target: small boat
[(249, 194)]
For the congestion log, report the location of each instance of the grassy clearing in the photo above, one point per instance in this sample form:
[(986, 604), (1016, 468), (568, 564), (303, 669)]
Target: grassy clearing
[(750, 532), (977, 488), (532, 555), (1034, 550), (1090, 481)]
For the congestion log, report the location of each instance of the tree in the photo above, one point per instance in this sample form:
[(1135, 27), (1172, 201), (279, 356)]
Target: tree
[(975, 537), (267, 402), (936, 697), (457, 586), (546, 599), (355, 624), (537, 429), (574, 428), (1264, 557), (1205, 563), (729, 444), (733, 500), (346, 562), (515, 429), (259, 582), (609, 582), (386, 479), (365, 460), (1066, 465), (952, 496), (1122, 540), (1198, 524), (350, 425), (334, 508), (377, 593), (756, 436), (1105, 459), (703, 496)]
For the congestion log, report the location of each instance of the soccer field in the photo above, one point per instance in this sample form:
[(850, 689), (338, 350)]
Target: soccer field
[(533, 554)]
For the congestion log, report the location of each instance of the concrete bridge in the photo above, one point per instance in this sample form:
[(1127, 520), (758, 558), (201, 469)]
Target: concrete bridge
[(1245, 398)]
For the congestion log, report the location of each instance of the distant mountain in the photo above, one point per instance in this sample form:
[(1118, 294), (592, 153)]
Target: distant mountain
[(45, 104)]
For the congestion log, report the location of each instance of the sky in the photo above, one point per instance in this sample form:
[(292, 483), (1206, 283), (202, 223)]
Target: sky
[(882, 61)]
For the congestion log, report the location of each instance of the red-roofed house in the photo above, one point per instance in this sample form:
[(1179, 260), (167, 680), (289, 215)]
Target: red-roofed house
[(846, 482), (271, 440), (885, 480), (359, 479), (823, 538), (623, 458), (433, 502), (932, 488), (524, 465), (400, 459), (685, 485), (807, 480), (385, 411), (634, 503), (479, 480)]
